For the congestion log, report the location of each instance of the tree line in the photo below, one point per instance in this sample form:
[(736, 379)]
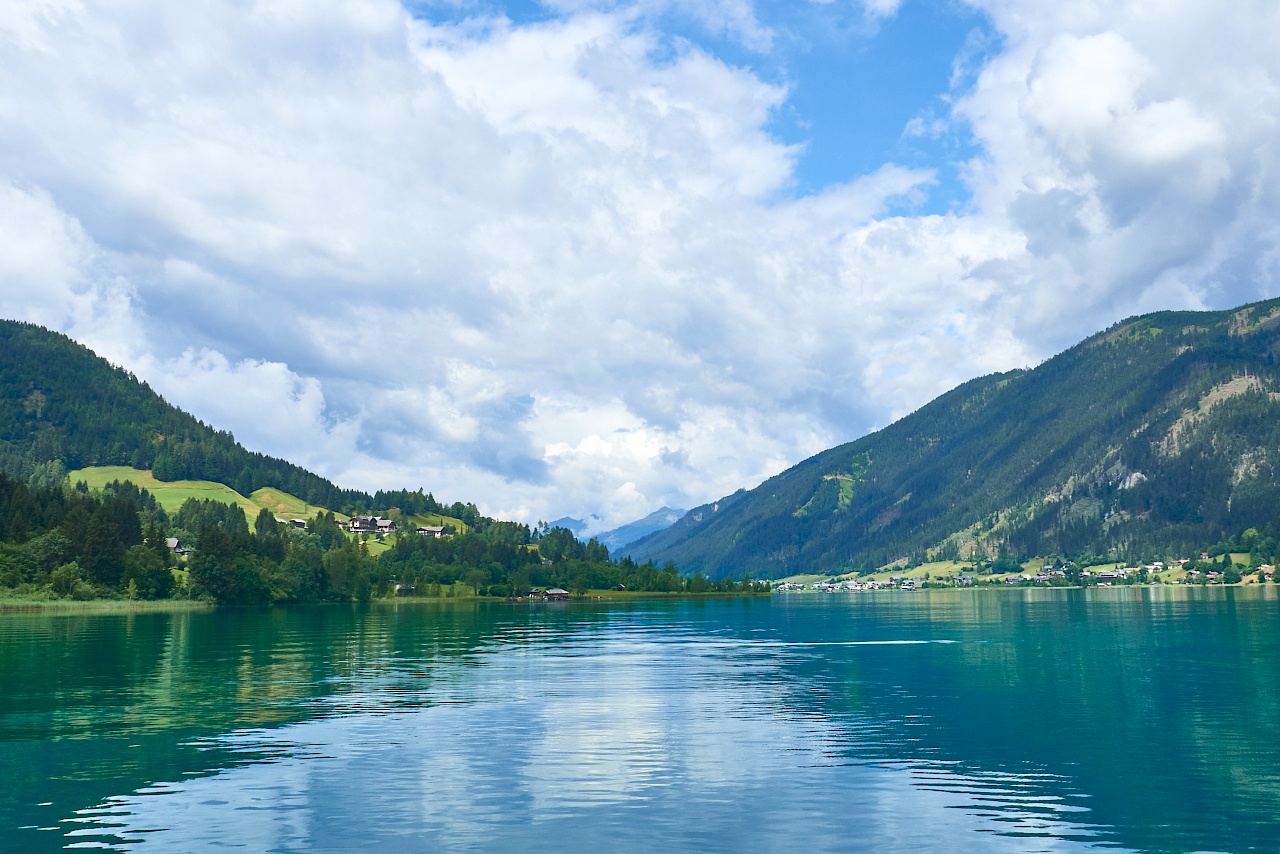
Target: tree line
[(73, 543)]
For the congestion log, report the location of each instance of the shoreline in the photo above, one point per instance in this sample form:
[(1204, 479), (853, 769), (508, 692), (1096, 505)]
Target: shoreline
[(108, 607), (1243, 585), (156, 606), (590, 596), (101, 606)]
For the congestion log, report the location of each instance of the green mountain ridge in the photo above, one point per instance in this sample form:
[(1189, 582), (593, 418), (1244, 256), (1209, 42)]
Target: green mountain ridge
[(1161, 433), (63, 407)]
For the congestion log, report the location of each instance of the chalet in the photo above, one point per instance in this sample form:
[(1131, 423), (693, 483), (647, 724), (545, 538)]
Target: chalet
[(298, 523), (364, 524), (372, 525), (436, 531), (174, 546), (556, 594)]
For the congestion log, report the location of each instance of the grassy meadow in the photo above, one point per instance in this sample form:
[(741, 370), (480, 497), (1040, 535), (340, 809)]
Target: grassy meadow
[(171, 494), (286, 506)]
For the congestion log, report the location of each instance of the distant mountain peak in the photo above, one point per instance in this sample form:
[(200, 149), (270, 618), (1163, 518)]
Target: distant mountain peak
[(624, 535), (581, 528)]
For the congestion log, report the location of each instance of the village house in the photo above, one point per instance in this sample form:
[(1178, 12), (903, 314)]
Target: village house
[(436, 531), (372, 525), (556, 594)]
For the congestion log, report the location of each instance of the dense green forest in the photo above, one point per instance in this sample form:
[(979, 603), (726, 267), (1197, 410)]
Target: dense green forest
[(1156, 437), (62, 408), (71, 543)]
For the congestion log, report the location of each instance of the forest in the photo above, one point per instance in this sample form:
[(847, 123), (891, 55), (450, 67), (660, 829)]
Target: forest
[(62, 407), (69, 542), (1157, 436)]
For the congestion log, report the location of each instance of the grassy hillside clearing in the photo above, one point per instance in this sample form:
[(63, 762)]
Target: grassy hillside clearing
[(286, 506), (169, 494), (427, 520)]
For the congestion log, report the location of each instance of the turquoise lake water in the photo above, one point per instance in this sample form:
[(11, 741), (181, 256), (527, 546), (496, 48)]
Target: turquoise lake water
[(1013, 720)]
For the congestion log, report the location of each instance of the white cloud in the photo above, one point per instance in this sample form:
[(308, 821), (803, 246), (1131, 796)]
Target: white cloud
[(882, 8), (275, 410), (555, 267)]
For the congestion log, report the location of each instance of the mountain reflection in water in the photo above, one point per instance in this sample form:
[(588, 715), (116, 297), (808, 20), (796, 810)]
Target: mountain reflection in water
[(1012, 720)]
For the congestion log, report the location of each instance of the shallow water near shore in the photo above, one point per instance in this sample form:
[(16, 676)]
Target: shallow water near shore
[(1143, 719)]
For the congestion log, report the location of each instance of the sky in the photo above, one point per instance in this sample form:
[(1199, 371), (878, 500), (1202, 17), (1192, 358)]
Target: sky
[(565, 257)]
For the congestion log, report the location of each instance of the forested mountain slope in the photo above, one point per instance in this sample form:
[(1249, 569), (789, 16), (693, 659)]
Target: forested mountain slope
[(1161, 433), (62, 408)]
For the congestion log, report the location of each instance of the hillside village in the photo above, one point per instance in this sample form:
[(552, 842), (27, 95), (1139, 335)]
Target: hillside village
[(381, 527)]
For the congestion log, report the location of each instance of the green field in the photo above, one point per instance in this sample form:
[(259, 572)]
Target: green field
[(427, 520), (286, 506), (170, 494)]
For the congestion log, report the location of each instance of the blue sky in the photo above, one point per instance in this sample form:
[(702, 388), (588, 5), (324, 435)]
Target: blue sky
[(598, 256), (855, 80)]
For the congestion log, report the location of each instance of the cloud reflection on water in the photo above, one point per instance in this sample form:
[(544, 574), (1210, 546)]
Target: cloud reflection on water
[(624, 737)]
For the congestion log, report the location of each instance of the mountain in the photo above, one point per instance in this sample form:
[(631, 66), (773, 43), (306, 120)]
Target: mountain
[(62, 407), (578, 527), (1159, 435), (624, 535)]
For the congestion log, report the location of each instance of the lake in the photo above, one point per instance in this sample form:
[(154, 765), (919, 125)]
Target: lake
[(1142, 719)]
